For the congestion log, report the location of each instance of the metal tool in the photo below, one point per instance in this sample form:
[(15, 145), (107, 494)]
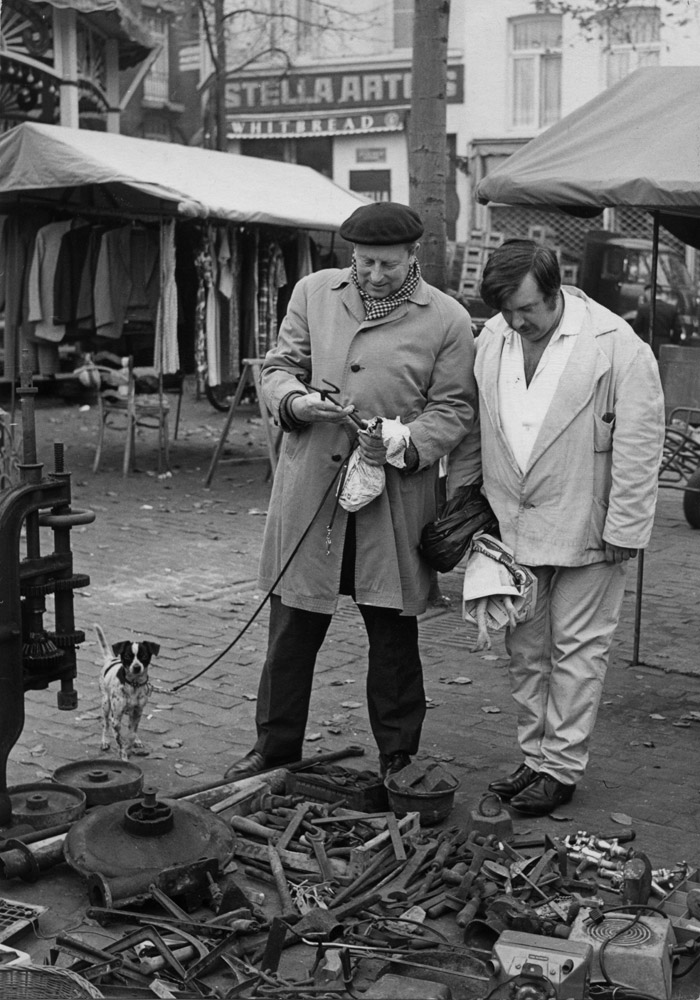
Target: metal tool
[(334, 390)]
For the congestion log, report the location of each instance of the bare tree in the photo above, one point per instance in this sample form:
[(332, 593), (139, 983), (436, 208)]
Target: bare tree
[(597, 18), (427, 133), (265, 33)]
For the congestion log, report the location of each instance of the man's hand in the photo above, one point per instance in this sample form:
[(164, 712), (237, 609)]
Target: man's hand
[(372, 448), (618, 553), (312, 408)]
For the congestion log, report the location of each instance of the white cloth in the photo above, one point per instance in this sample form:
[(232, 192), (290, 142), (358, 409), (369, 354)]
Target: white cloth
[(364, 482), (486, 576), (522, 407), (166, 354)]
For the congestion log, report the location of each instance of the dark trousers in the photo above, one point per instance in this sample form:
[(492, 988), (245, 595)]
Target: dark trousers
[(395, 694)]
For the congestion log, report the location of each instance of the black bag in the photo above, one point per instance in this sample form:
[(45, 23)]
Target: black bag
[(444, 541)]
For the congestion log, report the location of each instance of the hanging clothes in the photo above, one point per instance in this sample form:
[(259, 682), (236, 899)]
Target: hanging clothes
[(305, 264), (229, 293), (127, 280), (69, 269), (211, 318), (19, 235), (203, 267), (167, 356), (273, 276), (42, 272)]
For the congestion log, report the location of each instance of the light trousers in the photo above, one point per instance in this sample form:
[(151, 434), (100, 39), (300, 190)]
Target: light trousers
[(558, 662)]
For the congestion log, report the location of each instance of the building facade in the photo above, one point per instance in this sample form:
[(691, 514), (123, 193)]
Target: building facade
[(338, 98), (61, 64)]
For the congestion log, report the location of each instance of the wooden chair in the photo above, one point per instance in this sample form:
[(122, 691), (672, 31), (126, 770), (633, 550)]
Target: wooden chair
[(123, 408)]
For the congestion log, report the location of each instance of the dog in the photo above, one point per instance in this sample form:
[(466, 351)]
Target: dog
[(125, 690)]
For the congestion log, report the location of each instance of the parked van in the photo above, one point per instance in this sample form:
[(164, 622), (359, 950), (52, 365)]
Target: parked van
[(615, 271)]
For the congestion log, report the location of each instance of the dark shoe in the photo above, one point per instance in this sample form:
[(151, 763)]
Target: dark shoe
[(252, 763), (392, 762), (506, 788), (543, 796)]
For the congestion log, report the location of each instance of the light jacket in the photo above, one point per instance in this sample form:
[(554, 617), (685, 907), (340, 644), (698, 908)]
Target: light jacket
[(416, 364), (592, 474)]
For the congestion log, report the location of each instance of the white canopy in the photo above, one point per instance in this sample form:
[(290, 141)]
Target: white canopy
[(79, 169)]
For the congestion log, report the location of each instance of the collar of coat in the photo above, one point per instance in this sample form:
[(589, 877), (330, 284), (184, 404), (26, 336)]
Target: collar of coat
[(351, 297), (588, 363)]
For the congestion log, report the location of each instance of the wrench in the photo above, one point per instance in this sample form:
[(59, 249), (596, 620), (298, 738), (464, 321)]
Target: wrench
[(395, 890)]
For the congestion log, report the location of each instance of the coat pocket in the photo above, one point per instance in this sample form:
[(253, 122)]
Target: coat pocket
[(603, 432)]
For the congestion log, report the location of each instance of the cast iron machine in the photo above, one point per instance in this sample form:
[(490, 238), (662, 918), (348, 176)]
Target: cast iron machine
[(31, 657)]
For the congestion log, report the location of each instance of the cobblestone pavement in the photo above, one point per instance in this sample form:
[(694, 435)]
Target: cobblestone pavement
[(175, 562)]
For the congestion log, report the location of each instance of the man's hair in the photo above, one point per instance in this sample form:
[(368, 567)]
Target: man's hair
[(511, 262)]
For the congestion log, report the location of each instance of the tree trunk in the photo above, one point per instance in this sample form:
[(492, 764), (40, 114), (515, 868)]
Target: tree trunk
[(427, 138)]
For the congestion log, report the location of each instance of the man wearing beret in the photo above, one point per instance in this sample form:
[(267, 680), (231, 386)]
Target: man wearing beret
[(395, 347)]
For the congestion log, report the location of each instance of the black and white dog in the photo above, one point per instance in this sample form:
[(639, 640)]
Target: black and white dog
[(125, 689)]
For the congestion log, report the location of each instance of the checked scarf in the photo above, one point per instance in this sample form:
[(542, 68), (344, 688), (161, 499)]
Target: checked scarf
[(378, 308)]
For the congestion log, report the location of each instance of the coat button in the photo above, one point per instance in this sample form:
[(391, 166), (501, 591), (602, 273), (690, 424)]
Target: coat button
[(336, 458), (355, 368)]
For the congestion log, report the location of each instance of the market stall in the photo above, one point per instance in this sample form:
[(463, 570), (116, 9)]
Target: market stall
[(107, 237)]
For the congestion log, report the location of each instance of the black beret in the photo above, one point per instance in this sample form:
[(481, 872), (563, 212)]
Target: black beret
[(382, 223)]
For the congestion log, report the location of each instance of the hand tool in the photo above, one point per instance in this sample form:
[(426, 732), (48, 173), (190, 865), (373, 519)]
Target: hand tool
[(395, 889), (288, 908)]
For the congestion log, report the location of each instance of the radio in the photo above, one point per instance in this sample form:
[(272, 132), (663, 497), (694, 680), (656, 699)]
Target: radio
[(535, 967)]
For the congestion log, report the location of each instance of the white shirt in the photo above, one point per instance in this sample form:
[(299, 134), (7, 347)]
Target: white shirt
[(522, 407)]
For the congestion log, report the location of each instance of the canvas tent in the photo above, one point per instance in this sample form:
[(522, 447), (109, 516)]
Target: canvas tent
[(78, 169), (259, 212), (635, 144)]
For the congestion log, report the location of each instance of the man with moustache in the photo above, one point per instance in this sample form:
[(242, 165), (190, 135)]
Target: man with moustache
[(572, 428)]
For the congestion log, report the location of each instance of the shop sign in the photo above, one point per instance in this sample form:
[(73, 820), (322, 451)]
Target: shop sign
[(375, 154), (321, 92), (318, 125)]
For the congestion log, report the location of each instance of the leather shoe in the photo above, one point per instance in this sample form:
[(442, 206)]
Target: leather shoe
[(390, 763), (506, 788), (542, 796), (253, 763)]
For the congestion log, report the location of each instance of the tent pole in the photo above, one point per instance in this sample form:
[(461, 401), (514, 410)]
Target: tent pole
[(640, 557)]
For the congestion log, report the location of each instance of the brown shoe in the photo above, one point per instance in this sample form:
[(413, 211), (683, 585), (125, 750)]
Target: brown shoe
[(543, 796), (515, 783)]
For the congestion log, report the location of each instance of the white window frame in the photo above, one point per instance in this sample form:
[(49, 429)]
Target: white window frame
[(623, 53), (536, 58), (156, 84)]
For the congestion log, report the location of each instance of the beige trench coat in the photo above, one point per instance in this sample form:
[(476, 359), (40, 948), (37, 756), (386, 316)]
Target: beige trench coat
[(592, 474), (415, 364)]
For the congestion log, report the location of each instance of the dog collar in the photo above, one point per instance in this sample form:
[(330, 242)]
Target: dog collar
[(136, 684)]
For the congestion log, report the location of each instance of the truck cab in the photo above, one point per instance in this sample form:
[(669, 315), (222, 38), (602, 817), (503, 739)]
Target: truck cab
[(616, 271)]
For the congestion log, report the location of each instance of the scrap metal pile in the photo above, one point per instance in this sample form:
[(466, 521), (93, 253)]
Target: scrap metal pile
[(308, 885)]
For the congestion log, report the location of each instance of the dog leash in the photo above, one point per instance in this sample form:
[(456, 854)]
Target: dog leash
[(340, 472)]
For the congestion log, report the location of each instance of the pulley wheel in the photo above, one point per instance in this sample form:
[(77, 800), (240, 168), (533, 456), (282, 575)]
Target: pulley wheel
[(128, 838), (103, 780), (46, 804)]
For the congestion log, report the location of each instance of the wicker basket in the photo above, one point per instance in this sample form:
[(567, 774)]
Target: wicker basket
[(36, 982)]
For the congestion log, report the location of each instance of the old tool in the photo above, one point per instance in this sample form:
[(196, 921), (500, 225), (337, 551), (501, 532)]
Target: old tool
[(317, 841), (288, 908), (395, 890)]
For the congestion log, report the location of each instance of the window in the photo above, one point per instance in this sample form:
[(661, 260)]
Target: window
[(156, 85), (403, 24), (633, 40), (535, 55), (374, 184)]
